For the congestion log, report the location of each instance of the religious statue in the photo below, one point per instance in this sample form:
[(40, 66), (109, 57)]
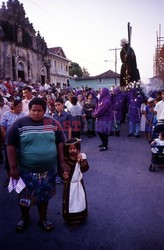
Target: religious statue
[(129, 72)]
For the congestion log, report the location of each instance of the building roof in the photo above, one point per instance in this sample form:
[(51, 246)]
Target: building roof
[(57, 51), (107, 74)]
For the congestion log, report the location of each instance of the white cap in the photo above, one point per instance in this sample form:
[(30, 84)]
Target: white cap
[(150, 99), (123, 41)]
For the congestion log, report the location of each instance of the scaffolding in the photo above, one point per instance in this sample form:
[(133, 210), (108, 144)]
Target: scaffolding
[(158, 67)]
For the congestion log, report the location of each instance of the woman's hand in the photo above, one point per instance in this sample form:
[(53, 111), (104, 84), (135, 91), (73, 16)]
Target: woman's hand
[(14, 173)]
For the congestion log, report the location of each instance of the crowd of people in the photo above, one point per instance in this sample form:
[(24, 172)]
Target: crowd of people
[(41, 127), (85, 110)]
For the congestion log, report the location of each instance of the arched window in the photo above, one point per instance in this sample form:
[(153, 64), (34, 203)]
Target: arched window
[(21, 71), (19, 35), (20, 67), (1, 32)]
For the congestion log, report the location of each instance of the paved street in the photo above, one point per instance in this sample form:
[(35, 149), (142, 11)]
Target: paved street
[(125, 203)]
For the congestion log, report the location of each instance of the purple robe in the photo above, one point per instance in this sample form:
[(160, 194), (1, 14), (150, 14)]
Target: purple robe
[(103, 112), (134, 106), (117, 105)]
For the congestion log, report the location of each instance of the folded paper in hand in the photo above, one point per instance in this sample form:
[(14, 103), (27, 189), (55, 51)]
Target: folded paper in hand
[(18, 185)]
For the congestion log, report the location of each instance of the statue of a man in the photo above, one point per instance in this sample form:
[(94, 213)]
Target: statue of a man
[(129, 72)]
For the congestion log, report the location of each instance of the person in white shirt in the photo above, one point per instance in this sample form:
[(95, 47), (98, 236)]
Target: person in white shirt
[(77, 118), (41, 88), (46, 86), (68, 103), (159, 109), (27, 95)]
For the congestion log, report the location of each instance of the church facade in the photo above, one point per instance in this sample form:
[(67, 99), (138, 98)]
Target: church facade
[(23, 52)]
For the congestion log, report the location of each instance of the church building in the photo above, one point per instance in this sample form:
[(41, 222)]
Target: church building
[(24, 53)]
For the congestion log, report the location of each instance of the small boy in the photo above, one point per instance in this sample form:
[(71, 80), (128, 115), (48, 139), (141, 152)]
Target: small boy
[(63, 117), (65, 120)]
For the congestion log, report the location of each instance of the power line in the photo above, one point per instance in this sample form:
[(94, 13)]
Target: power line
[(49, 13), (71, 30), (79, 58), (83, 22)]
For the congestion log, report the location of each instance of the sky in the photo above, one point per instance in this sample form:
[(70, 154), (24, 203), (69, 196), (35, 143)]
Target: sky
[(89, 30)]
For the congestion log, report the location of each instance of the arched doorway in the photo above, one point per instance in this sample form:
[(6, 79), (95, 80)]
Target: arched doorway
[(20, 69), (43, 76)]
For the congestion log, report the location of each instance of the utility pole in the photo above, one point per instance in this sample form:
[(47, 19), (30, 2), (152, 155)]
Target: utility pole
[(116, 49)]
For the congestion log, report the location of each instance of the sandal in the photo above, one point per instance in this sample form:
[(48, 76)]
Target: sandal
[(46, 225), (22, 225)]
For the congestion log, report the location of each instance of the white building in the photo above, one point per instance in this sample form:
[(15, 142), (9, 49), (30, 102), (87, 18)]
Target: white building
[(59, 69)]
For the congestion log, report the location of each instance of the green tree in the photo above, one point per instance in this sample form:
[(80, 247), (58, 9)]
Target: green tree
[(85, 72), (75, 69)]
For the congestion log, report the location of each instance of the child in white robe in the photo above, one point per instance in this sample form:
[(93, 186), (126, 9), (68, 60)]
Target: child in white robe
[(74, 195)]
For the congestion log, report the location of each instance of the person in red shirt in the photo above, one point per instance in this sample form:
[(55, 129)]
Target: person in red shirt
[(9, 86)]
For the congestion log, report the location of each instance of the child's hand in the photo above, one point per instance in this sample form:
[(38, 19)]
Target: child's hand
[(79, 158), (66, 175), (65, 170)]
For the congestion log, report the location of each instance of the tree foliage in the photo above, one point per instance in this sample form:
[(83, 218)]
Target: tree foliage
[(85, 72), (76, 70)]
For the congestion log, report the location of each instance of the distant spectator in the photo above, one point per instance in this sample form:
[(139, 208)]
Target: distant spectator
[(9, 86), (3, 107), (102, 114), (89, 108), (68, 103), (77, 118), (8, 119), (149, 114), (27, 97), (159, 109)]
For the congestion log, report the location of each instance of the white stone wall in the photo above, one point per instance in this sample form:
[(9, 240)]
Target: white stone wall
[(58, 72)]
